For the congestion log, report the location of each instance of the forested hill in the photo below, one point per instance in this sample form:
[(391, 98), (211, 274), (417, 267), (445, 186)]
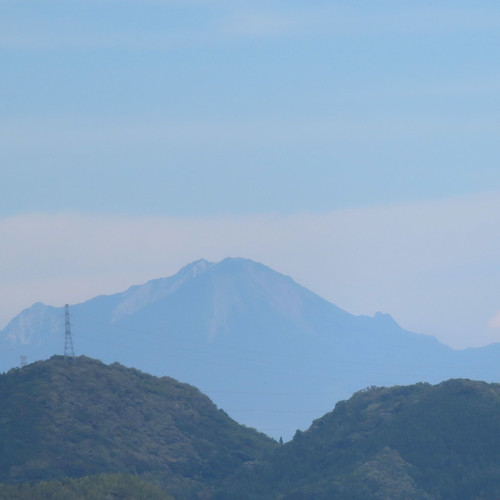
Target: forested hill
[(418, 442), (71, 418), (248, 337), (117, 432)]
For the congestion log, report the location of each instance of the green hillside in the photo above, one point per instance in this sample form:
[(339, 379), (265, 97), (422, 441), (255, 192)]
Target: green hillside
[(419, 442), (98, 487), (62, 418), (82, 430)]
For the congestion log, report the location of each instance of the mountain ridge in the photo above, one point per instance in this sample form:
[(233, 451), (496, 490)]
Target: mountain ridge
[(250, 338)]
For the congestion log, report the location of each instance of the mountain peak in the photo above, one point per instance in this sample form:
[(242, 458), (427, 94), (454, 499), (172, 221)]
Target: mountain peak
[(240, 264), (140, 296), (195, 268), (385, 318), (245, 334)]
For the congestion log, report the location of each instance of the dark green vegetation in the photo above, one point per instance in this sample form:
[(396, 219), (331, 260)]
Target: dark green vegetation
[(101, 486), (83, 430), (76, 418), (418, 442)]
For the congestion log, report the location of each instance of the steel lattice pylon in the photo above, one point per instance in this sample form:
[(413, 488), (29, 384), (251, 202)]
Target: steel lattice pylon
[(68, 341)]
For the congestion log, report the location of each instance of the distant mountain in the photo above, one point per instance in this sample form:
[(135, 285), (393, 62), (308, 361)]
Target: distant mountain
[(72, 418), (267, 350), (418, 442)]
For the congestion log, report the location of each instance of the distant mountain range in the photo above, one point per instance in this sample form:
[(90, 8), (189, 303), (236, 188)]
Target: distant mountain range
[(64, 419), (270, 352)]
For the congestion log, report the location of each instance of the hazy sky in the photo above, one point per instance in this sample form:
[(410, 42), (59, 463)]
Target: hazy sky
[(351, 145)]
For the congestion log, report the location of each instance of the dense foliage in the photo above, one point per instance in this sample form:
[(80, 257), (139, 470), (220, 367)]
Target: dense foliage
[(72, 418), (62, 419), (99, 487), (418, 442)]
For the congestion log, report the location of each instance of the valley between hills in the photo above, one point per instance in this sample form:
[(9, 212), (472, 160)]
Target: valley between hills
[(76, 428), (269, 351), (230, 380)]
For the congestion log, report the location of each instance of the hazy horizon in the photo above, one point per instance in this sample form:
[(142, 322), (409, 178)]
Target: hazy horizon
[(352, 147)]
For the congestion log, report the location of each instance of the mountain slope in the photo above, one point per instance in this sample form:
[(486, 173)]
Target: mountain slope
[(418, 442), (96, 487), (72, 418), (267, 350), (81, 419)]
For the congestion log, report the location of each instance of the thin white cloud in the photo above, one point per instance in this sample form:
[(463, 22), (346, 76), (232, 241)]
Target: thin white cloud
[(433, 266)]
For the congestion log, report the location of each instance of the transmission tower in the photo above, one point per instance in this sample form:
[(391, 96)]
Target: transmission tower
[(68, 341)]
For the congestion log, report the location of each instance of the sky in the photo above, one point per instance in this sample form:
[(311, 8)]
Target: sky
[(351, 145)]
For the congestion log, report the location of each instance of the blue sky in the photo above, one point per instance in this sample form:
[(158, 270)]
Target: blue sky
[(196, 116)]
